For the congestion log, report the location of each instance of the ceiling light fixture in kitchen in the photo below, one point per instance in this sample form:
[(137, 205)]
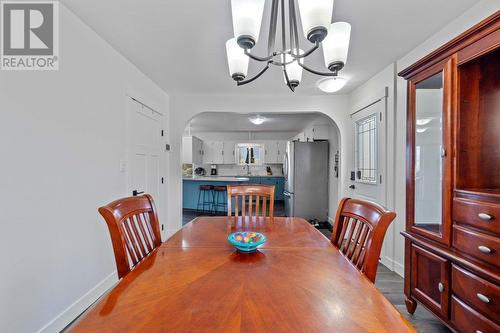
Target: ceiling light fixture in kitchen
[(316, 18), (257, 120)]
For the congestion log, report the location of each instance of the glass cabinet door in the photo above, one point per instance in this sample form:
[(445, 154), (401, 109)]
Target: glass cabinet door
[(428, 163), (429, 166)]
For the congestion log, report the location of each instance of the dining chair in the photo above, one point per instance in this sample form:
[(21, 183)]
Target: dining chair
[(240, 194), (134, 229), (359, 231)]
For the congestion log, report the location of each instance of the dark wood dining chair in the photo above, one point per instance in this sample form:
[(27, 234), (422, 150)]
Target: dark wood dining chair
[(240, 194), (359, 231), (134, 229)]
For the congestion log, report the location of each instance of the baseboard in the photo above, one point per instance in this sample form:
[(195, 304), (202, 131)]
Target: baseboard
[(74, 310), (393, 265), (399, 269), (170, 232)]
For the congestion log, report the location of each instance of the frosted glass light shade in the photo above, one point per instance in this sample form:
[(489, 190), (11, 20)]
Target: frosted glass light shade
[(294, 70), (336, 45), (316, 17), (247, 18), (237, 60), (331, 84)]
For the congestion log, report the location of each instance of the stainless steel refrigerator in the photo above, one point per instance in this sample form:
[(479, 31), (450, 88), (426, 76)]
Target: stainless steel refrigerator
[(305, 168)]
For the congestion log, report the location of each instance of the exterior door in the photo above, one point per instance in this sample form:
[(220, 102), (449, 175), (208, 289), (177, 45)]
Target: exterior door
[(144, 152), (370, 146)]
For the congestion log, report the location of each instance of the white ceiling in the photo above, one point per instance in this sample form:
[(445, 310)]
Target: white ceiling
[(275, 122), (180, 44)]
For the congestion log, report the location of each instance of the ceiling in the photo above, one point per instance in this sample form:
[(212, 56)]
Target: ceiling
[(180, 44), (275, 122)]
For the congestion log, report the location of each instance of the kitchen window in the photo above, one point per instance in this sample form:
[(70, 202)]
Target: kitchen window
[(366, 152), (250, 153)]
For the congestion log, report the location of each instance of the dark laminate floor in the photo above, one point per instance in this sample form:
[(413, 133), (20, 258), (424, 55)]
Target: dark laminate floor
[(389, 283)]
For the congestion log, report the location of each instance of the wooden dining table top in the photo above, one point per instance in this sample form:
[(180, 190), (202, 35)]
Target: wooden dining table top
[(196, 282)]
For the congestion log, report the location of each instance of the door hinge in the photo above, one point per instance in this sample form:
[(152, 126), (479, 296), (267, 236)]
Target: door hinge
[(162, 227), (162, 180), (380, 116), (162, 133)]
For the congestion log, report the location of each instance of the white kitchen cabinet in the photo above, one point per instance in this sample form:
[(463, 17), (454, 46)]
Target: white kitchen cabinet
[(281, 151), (213, 152), (271, 152), (316, 132), (299, 137), (192, 150), (229, 149)]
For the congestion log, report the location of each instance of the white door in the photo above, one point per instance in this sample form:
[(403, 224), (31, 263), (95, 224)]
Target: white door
[(144, 153), (370, 164), (369, 153)]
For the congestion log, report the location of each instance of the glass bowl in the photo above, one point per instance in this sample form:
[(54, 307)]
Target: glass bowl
[(246, 241)]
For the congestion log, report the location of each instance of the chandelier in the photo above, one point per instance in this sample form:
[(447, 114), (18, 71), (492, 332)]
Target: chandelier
[(316, 18)]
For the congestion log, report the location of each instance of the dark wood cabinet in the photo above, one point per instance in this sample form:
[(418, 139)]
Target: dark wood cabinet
[(452, 237)]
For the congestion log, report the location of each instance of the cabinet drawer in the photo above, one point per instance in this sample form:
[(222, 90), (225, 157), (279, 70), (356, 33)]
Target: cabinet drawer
[(483, 215), (481, 294), (466, 319), (479, 245)]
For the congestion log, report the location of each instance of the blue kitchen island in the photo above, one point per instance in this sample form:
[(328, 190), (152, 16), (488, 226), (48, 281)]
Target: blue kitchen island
[(191, 185)]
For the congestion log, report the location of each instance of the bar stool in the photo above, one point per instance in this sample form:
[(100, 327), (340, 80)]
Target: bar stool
[(220, 197), (205, 198)]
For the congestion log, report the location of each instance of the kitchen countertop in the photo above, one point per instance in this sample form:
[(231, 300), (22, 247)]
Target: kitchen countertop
[(218, 178)]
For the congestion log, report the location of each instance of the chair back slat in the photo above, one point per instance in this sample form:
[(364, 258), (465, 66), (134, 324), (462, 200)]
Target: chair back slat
[(254, 193), (359, 231), (134, 229)]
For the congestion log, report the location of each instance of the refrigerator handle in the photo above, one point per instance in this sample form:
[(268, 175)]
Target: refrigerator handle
[(287, 194), (285, 166)]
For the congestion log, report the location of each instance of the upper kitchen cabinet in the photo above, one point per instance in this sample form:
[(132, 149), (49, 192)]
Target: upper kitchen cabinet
[(213, 152), (274, 151), (229, 152), (281, 151), (271, 152), (316, 132), (192, 150)]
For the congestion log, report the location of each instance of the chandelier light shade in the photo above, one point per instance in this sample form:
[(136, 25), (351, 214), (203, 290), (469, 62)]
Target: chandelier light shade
[(331, 84), (316, 17), (247, 19), (283, 49), (293, 70), (237, 60), (336, 45)]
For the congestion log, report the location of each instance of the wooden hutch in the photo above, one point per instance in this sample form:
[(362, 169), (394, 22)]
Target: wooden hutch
[(452, 237)]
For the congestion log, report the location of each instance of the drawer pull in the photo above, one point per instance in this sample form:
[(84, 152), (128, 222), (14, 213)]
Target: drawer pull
[(484, 249), (484, 216), (478, 331), (483, 298), (440, 287)]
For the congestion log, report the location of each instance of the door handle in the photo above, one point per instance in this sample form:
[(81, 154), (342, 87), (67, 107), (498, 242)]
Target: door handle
[(352, 187), (136, 193)]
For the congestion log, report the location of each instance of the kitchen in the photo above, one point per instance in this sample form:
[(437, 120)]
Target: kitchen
[(260, 150)]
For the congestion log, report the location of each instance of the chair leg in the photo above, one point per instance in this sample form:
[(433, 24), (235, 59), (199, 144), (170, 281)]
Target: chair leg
[(199, 201)]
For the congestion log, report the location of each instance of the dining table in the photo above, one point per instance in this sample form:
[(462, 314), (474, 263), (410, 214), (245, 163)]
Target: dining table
[(297, 281)]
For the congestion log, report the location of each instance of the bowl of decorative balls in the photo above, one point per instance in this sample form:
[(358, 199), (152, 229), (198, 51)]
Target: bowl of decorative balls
[(246, 241)]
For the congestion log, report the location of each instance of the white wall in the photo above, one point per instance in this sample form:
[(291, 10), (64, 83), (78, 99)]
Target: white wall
[(185, 107), (397, 126), (61, 145)]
